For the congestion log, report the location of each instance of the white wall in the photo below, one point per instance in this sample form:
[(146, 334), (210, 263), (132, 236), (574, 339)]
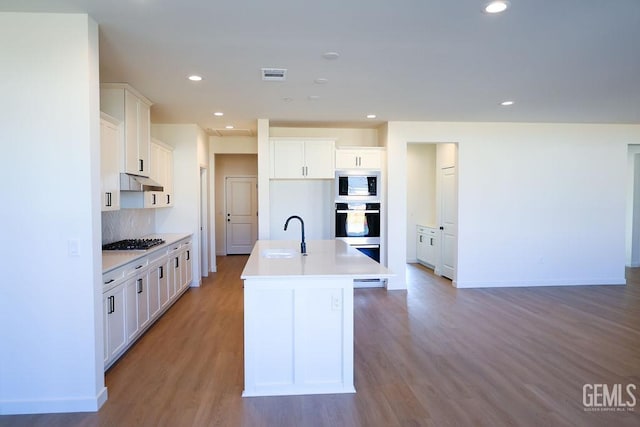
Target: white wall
[(190, 151), (310, 199), (421, 192), (50, 299), (538, 204), (344, 137)]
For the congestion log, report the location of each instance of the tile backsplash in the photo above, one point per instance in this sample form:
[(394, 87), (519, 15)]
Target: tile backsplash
[(127, 224)]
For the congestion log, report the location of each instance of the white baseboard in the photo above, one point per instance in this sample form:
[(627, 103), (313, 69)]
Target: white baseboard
[(53, 406), (540, 283)]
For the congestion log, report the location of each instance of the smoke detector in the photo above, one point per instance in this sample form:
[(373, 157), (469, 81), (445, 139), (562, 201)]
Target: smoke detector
[(274, 74)]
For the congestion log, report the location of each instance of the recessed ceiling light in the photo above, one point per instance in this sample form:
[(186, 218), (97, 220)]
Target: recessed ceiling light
[(287, 99), (331, 55), (195, 78), (506, 103), (496, 6), (218, 114), (321, 81), (313, 97), (371, 116), (228, 127)]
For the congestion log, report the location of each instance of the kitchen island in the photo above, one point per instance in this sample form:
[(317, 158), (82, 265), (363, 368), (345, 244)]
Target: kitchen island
[(298, 316)]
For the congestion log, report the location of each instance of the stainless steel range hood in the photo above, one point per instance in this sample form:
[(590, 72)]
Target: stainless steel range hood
[(130, 182)]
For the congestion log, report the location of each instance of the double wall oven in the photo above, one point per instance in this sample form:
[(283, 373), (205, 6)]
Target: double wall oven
[(357, 211)]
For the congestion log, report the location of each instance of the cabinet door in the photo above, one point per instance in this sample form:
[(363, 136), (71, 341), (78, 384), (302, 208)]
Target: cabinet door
[(114, 322), (131, 159), (176, 275), (168, 180), (109, 166), (287, 159), (154, 289), (430, 249), (144, 137), (142, 300), (370, 159), (164, 283), (319, 159), (421, 247), (188, 267), (346, 159), (131, 308)]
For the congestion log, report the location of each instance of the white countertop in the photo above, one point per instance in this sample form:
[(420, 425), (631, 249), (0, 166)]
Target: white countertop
[(114, 259), (324, 259)]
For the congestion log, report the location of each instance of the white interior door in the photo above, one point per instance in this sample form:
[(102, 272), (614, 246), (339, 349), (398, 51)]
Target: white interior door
[(449, 222), (241, 195)]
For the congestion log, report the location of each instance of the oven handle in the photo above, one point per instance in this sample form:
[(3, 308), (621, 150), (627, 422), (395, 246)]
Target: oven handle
[(365, 246), (355, 211)]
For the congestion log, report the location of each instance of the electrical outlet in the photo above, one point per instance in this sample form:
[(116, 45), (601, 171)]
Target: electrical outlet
[(336, 303)]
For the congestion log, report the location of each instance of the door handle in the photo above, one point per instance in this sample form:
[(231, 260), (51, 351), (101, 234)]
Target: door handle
[(441, 227)]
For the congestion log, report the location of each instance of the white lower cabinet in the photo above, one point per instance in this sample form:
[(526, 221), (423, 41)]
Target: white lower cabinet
[(115, 334), (137, 294), (426, 244)]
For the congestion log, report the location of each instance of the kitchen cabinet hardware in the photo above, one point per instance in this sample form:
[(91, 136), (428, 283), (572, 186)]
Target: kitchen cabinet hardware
[(153, 199), (139, 286), (161, 271), (139, 267), (188, 255), (141, 168), (177, 262), (109, 281)]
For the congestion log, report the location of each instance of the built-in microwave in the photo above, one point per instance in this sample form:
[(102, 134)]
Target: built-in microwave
[(357, 186)]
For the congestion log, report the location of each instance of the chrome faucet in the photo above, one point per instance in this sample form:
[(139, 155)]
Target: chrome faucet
[(303, 245)]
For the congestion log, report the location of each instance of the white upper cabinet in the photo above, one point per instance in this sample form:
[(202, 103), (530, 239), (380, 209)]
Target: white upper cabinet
[(359, 158), (126, 104), (302, 159), (161, 171), (109, 163)]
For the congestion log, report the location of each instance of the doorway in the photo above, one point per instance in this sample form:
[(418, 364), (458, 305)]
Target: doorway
[(432, 207), (241, 206), (226, 166)]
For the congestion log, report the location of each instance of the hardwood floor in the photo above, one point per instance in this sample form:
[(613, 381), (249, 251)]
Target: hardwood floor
[(431, 355)]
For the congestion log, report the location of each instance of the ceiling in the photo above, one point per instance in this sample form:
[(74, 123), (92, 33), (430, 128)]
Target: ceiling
[(424, 60)]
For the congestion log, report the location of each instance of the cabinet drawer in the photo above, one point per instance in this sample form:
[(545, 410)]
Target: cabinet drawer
[(137, 266), (426, 230), (112, 278)]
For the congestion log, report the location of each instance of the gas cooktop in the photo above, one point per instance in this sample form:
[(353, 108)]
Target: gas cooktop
[(132, 244)]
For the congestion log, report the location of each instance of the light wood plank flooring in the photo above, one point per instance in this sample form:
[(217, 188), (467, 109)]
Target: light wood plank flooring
[(431, 355)]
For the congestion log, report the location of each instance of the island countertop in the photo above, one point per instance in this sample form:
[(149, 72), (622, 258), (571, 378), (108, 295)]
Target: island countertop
[(324, 259)]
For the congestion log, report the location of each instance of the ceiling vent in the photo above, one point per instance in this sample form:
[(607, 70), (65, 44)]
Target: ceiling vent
[(230, 132), (274, 74)]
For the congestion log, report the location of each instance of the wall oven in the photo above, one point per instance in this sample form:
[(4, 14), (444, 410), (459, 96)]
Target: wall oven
[(358, 224)]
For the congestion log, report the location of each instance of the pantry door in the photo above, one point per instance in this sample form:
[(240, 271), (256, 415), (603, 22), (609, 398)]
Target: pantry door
[(241, 196), (449, 222)]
